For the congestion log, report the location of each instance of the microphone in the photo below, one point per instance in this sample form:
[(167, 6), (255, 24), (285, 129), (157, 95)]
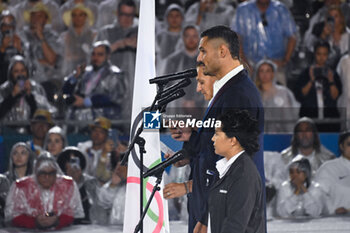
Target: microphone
[(190, 73), (158, 169), (183, 83), (173, 96)]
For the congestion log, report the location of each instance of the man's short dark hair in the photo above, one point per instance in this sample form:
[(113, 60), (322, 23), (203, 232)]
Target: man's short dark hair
[(129, 3), (225, 33)]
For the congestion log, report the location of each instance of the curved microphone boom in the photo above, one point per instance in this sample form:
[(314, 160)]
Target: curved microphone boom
[(158, 169), (190, 73)]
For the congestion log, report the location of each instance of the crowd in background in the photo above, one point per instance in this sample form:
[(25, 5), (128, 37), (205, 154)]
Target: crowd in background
[(69, 65), (306, 46)]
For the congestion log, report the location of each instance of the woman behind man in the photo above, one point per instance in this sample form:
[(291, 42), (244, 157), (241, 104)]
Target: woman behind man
[(279, 102), (236, 201)]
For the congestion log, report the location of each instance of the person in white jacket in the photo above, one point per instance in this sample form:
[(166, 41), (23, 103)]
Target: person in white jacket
[(334, 177), (299, 196)]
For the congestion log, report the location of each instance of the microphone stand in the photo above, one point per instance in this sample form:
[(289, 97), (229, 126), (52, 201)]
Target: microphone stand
[(154, 190), (140, 141)]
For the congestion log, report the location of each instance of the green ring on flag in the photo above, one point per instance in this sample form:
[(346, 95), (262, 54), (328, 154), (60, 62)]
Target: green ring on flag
[(136, 180), (150, 213)]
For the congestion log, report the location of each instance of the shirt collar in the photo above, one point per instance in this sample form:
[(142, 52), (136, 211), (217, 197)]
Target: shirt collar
[(220, 83), (223, 165)]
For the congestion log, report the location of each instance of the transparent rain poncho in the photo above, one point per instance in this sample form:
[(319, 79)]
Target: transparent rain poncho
[(263, 35), (310, 203), (221, 14), (27, 198), (279, 103), (11, 174)]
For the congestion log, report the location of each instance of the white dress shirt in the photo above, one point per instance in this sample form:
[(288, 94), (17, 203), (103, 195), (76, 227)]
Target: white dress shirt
[(223, 165), (220, 83)]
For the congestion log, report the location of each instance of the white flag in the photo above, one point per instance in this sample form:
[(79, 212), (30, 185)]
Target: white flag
[(156, 219)]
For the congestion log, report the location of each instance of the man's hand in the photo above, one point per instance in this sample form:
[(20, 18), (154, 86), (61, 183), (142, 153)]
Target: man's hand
[(200, 228), (38, 31), (181, 134), (27, 87), (16, 90), (130, 42), (79, 70), (173, 190), (311, 73), (79, 101)]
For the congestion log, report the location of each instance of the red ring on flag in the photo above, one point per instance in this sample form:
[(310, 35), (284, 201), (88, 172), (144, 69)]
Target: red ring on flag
[(136, 180)]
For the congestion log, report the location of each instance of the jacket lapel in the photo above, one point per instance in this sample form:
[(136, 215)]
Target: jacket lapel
[(227, 85)]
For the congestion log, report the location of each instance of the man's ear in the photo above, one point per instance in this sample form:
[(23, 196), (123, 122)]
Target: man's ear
[(223, 49)]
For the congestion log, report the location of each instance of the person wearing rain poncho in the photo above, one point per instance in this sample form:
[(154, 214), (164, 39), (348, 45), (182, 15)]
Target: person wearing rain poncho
[(103, 204), (77, 40), (4, 188), (20, 95), (168, 37), (208, 13), (306, 142), (299, 196), (55, 141), (334, 177), (267, 30), (21, 162), (45, 200), (278, 101)]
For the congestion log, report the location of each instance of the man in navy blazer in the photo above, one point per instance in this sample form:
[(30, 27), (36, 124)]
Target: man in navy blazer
[(233, 89)]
